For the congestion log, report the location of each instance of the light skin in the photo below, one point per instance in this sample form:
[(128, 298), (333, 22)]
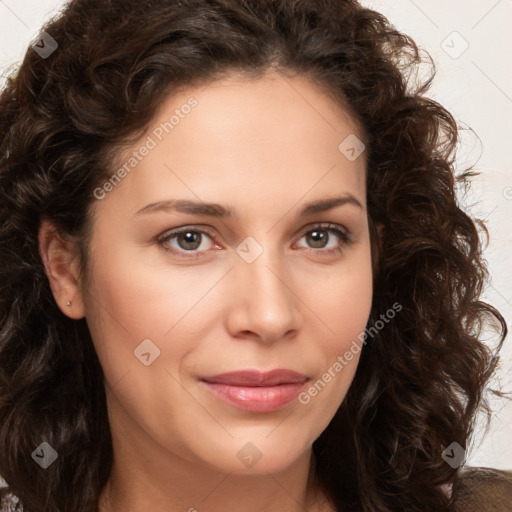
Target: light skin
[(264, 149)]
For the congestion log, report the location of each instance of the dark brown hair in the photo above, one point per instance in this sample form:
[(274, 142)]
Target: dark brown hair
[(420, 380)]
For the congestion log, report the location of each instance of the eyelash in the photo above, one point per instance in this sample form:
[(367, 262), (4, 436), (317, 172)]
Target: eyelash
[(330, 228)]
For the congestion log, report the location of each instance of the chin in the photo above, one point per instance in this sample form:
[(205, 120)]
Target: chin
[(250, 456)]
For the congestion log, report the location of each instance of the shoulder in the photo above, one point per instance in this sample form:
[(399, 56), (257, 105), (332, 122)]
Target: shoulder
[(484, 490), (7, 501)]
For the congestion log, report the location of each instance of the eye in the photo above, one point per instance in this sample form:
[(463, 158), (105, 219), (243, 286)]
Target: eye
[(186, 240), (321, 235), (190, 242)]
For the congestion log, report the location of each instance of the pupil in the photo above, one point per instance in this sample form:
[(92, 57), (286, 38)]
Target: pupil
[(319, 238), (190, 238)]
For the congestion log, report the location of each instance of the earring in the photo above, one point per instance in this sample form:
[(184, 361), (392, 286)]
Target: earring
[(68, 303)]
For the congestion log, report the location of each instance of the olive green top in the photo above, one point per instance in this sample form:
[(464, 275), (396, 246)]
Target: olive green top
[(484, 490)]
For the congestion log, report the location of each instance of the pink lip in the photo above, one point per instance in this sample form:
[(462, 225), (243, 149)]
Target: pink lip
[(256, 391)]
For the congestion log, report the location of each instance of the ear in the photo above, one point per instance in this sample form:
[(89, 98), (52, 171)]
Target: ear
[(61, 262)]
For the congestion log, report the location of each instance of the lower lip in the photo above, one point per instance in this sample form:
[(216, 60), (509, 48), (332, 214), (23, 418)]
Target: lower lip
[(256, 399)]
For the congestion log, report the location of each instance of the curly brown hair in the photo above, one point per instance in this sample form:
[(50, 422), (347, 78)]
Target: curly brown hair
[(419, 383)]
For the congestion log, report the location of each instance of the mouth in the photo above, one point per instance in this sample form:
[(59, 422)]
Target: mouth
[(256, 391)]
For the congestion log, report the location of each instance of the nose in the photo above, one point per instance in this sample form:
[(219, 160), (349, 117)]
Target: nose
[(263, 305)]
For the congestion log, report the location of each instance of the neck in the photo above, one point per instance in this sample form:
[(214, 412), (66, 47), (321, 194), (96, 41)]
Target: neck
[(193, 489)]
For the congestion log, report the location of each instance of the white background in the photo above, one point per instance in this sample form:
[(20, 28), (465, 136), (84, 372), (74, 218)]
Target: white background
[(475, 85)]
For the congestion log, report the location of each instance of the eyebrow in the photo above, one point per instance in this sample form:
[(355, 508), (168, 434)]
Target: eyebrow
[(219, 211)]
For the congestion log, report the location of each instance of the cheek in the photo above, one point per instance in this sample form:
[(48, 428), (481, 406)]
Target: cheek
[(144, 299), (343, 308), (343, 299), (130, 301)]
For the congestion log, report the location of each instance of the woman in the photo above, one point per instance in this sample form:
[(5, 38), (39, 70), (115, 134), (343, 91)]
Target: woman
[(234, 274)]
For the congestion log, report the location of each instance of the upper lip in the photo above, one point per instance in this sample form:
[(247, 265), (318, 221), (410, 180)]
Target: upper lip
[(256, 378)]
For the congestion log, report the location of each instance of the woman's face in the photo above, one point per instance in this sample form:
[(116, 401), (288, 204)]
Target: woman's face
[(257, 282)]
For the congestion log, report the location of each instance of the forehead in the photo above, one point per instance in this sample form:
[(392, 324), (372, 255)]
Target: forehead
[(274, 136)]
